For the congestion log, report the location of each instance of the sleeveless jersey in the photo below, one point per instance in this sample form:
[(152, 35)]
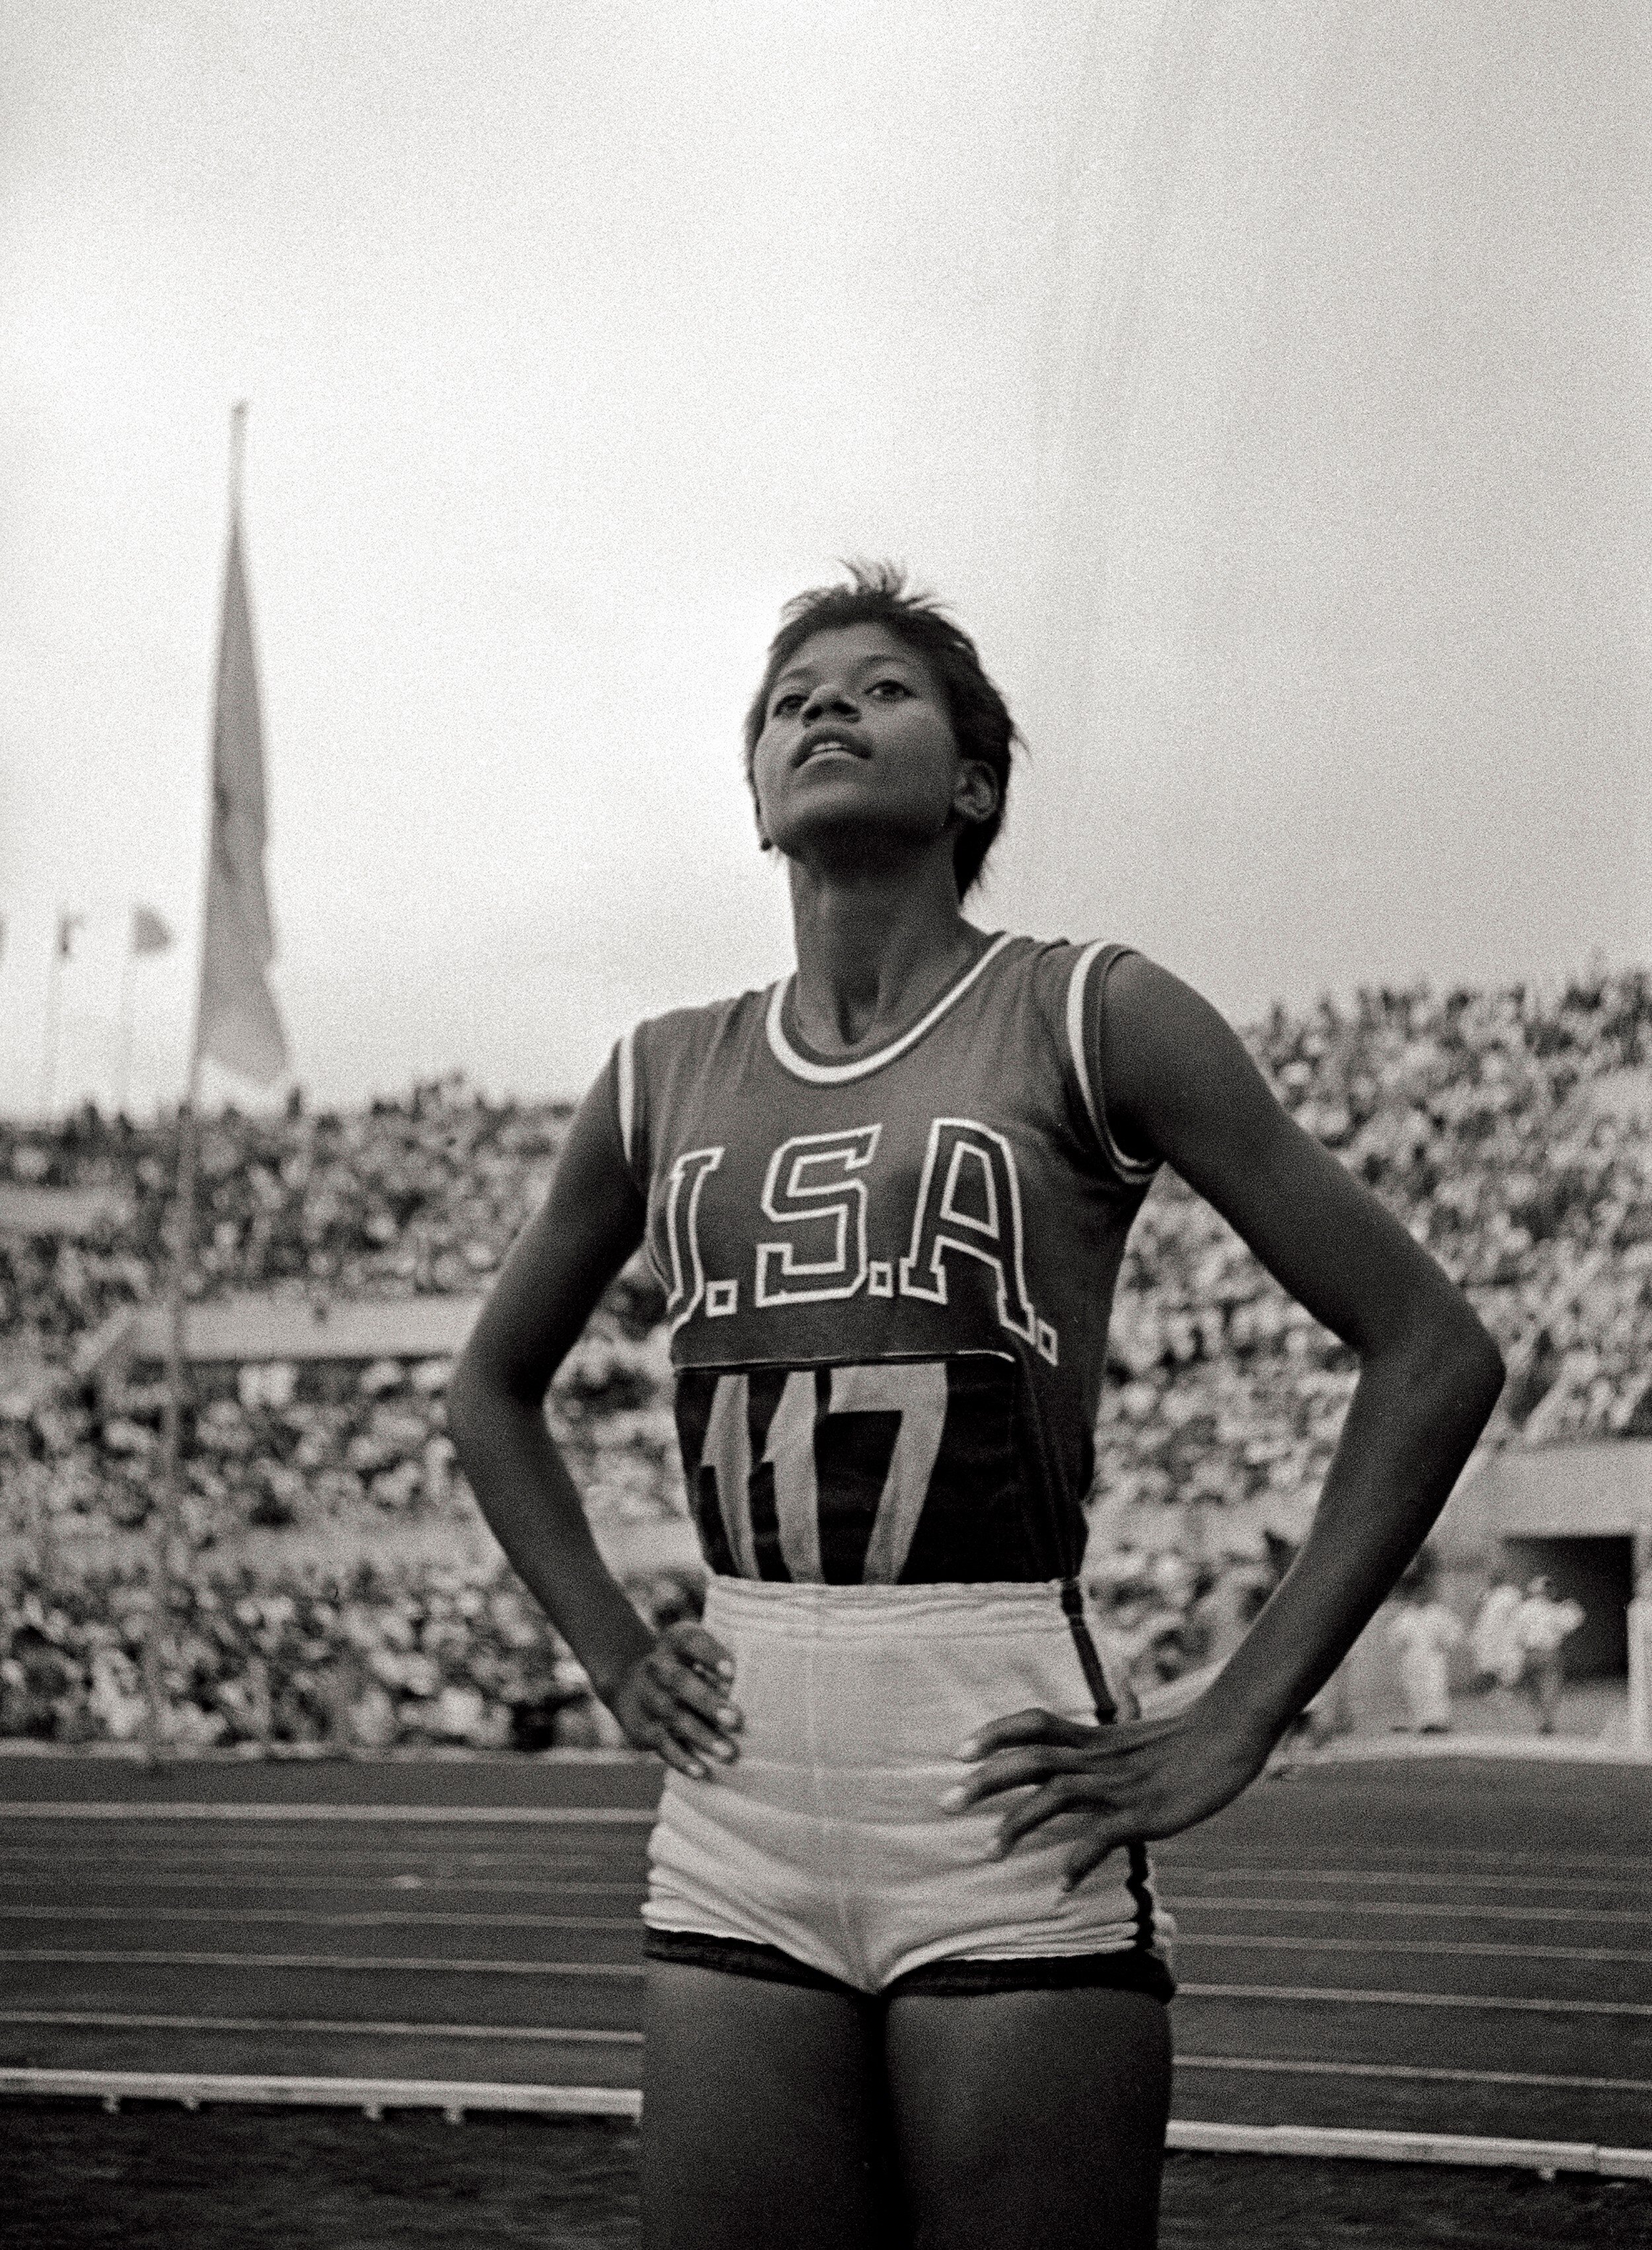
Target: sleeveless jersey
[(888, 1279)]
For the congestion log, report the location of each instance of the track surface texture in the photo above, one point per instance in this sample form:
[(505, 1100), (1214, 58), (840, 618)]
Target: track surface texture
[(1451, 1946), (310, 2180)]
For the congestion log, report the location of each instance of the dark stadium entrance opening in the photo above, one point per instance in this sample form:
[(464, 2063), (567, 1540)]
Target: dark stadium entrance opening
[(1599, 1574)]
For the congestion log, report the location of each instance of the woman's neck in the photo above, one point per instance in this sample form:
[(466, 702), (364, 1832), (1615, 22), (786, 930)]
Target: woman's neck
[(873, 951)]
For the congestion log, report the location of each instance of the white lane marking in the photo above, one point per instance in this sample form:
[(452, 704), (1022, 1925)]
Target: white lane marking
[(1283, 2066), (404, 1965), (140, 1870), (1355, 1996), (1400, 1864), (1449, 1949), (53, 1957), (1278, 1874), (205, 1857), (306, 1920), (1412, 1869), (328, 2026), (455, 2098), (531, 1816), (1318, 2142), (1180, 1903), (1452, 1949), (1247, 1940), (200, 1879)]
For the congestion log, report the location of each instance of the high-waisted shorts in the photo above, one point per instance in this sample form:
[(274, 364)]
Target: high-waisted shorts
[(823, 1852)]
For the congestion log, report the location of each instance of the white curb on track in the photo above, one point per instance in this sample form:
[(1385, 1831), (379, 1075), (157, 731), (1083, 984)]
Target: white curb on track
[(455, 2098), (1539, 1749), (1322, 2140), (458, 2098)]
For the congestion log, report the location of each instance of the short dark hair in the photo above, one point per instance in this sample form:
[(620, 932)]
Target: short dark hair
[(876, 593)]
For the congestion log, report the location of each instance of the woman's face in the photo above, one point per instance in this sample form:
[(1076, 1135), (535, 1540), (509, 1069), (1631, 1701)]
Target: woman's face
[(857, 752)]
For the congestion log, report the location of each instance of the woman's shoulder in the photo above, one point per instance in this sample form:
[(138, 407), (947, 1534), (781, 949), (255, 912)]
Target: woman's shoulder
[(1069, 972), (1070, 986), (653, 1064), (661, 1048), (1097, 973), (699, 1021), (1063, 954)]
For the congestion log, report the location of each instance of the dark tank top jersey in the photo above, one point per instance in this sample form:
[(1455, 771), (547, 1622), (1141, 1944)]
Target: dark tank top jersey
[(888, 1279)]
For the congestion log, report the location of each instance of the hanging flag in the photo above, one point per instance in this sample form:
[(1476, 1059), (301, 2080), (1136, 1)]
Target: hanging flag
[(238, 1025), (149, 933), (68, 925)]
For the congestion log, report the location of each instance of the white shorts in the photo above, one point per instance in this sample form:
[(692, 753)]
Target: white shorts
[(824, 1848)]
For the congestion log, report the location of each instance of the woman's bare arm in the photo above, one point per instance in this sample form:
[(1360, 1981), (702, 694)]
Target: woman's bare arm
[(1430, 1374), (668, 1691), (1180, 1083)]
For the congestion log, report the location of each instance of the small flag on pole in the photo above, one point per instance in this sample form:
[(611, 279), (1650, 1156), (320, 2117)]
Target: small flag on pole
[(238, 1025), (149, 933)]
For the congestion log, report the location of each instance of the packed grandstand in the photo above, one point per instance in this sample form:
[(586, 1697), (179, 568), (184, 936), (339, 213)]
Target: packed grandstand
[(337, 1591)]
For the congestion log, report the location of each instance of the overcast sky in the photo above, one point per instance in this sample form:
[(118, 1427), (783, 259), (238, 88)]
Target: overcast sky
[(1264, 383)]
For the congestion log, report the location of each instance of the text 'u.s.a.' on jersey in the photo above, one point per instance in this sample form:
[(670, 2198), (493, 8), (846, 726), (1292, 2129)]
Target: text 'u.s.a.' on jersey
[(887, 1281)]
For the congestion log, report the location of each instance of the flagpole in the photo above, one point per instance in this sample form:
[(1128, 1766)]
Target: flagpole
[(167, 1513), (123, 1069), (49, 1052)]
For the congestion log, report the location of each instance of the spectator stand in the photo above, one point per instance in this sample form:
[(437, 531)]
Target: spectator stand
[(1509, 1130)]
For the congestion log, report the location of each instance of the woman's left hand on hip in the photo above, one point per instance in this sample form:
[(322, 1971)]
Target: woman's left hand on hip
[(1123, 1784)]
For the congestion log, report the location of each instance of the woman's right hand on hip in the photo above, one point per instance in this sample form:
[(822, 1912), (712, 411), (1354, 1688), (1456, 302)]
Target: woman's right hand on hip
[(675, 1702)]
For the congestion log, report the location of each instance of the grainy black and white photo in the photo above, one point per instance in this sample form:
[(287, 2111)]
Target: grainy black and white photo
[(825, 1125)]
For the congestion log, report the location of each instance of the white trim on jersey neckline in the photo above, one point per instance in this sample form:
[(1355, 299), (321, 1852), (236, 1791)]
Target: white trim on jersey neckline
[(840, 1073)]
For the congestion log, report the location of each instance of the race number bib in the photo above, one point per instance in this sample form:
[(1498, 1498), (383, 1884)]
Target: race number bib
[(912, 1471)]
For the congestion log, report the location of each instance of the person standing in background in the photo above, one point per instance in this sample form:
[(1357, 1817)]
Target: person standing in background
[(1497, 1657), (1540, 1625), (1425, 1629)]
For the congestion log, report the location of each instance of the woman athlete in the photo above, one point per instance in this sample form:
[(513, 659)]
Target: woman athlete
[(907, 1976)]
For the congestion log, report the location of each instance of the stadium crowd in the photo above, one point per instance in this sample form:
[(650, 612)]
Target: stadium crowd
[(387, 1655), (1509, 1130)]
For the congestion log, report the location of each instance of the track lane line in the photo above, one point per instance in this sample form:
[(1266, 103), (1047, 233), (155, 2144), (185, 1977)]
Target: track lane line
[(370, 1964), (1251, 1941), (205, 1880), (1283, 2066), (527, 1816), (198, 1877), (1409, 1866), (454, 2097), (324, 1963), (1399, 1866), (100, 2019), (563, 1852), (1354, 1996), (92, 2020), (306, 1920), (1424, 1909), (1431, 1949)]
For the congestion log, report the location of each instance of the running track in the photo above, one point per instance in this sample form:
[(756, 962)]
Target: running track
[(1453, 1946)]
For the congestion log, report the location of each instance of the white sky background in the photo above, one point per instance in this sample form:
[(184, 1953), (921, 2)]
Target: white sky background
[(1265, 384)]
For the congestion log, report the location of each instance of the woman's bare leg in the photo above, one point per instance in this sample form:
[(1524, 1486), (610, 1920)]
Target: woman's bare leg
[(1027, 2119), (762, 2118)]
